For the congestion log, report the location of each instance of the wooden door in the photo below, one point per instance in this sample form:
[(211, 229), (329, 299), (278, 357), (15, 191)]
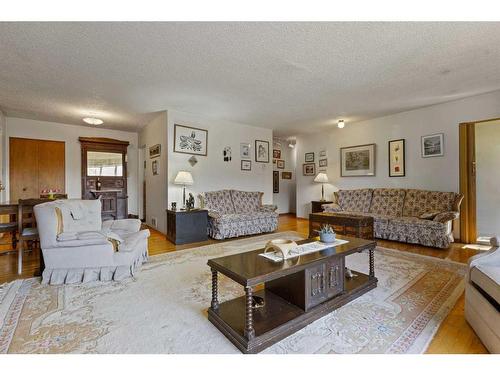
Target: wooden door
[(35, 165), (467, 160)]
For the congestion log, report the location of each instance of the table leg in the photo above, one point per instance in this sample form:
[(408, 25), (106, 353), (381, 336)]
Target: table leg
[(249, 330), (215, 302), (372, 263), (20, 250)]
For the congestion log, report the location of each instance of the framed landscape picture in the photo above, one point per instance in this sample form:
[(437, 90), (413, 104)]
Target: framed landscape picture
[(276, 182), (189, 140), (286, 175), (262, 151), (246, 165), (433, 145), (309, 169), (309, 157), (357, 161), (280, 164), (397, 158)]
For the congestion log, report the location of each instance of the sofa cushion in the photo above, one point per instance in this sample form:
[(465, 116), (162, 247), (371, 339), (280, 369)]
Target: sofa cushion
[(354, 200), (219, 201), (418, 202), (246, 201), (487, 277), (387, 202), (238, 218), (415, 221)]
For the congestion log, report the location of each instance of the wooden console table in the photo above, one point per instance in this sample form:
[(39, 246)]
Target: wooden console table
[(297, 292), (349, 225)]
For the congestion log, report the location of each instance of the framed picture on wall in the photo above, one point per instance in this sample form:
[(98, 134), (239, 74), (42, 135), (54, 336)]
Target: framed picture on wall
[(276, 182), (246, 165), (309, 169), (397, 158), (356, 161), (245, 150), (433, 145), (154, 151), (309, 157), (280, 164), (261, 151), (286, 175), (154, 168), (323, 163), (276, 154), (189, 140)]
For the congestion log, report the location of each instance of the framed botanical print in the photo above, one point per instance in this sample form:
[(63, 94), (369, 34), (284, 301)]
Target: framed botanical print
[(189, 140), (309, 157), (433, 145), (280, 164), (397, 158), (245, 150), (357, 161), (276, 182), (246, 165), (309, 169), (286, 175), (262, 151)]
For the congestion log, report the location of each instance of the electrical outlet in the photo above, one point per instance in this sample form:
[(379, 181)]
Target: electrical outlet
[(154, 222)]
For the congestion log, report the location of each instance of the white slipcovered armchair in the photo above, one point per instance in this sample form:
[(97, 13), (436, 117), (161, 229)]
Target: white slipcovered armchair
[(79, 247)]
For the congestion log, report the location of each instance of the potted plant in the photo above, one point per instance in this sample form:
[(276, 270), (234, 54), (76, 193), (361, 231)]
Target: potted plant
[(326, 233)]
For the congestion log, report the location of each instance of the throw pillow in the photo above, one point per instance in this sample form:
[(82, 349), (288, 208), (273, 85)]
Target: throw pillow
[(429, 215)]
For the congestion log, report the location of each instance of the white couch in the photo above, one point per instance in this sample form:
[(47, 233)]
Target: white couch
[(482, 297), (79, 247)]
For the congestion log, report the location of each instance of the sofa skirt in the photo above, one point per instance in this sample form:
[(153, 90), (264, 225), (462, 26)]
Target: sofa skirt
[(59, 276), (219, 231)]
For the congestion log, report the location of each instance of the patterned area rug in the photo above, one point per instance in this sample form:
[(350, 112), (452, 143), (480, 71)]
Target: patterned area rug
[(164, 309)]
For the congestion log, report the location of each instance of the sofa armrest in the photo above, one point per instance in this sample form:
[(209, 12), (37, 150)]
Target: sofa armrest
[(125, 225), (331, 207), (444, 217), (268, 208)]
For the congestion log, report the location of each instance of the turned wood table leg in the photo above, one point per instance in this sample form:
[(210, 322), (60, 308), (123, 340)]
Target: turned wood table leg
[(215, 302), (372, 263), (249, 330)]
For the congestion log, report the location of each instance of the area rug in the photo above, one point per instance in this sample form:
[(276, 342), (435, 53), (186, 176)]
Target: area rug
[(163, 310)]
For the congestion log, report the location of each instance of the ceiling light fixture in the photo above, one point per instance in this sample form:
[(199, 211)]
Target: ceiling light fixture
[(93, 121), (341, 124)]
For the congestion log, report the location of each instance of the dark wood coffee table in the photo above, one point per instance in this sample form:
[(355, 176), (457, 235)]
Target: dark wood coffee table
[(296, 292), (346, 224)]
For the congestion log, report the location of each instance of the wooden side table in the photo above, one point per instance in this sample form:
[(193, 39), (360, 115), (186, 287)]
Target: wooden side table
[(187, 226), (316, 206)]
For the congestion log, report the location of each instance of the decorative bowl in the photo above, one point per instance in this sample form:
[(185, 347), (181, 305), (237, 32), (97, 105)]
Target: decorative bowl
[(327, 237)]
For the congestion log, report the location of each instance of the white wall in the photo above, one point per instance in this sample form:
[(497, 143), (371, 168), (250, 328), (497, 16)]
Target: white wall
[(24, 128), (211, 172), (438, 173), (156, 186), (286, 198), (488, 178)]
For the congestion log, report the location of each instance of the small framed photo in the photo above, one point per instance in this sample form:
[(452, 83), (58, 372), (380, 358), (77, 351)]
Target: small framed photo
[(276, 182), (277, 154), (309, 157), (246, 165), (309, 169), (154, 151), (322, 154), (286, 175), (280, 164), (397, 158), (433, 145), (154, 168), (323, 163), (261, 151), (245, 150)]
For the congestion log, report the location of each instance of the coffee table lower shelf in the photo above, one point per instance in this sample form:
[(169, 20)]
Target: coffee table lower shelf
[(279, 318)]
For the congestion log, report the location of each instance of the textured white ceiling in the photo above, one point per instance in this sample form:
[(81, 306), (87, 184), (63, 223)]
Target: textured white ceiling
[(291, 77)]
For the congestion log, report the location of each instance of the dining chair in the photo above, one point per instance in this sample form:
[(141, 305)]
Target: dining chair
[(27, 229)]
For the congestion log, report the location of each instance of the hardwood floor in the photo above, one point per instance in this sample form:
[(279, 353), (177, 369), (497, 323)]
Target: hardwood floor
[(454, 334)]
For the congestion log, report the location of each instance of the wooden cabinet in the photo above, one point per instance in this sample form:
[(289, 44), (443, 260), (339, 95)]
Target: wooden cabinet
[(104, 161), (187, 226), (35, 165)]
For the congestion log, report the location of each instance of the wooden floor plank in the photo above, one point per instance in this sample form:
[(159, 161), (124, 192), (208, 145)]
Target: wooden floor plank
[(454, 335)]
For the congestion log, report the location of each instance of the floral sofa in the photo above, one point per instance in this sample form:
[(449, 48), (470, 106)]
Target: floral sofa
[(234, 213), (405, 215)]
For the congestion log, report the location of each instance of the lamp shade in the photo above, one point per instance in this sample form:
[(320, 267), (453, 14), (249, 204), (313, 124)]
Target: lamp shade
[(322, 178), (183, 178)]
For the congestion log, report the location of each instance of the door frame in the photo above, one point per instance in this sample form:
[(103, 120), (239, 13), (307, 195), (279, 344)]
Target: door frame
[(467, 172)]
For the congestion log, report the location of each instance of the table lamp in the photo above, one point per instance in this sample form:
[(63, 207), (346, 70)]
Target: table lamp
[(183, 178), (322, 178)]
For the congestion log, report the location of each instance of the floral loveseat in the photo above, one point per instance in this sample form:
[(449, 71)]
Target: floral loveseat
[(234, 213), (405, 215)]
